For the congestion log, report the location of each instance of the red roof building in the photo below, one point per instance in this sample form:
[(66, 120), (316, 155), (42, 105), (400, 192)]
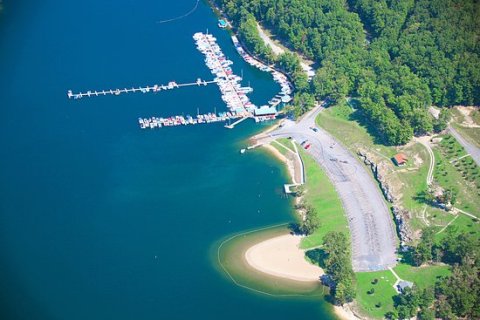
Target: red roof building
[(400, 159)]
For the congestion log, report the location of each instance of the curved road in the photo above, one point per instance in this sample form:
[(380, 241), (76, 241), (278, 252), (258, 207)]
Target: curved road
[(469, 147), (424, 141), (371, 226)]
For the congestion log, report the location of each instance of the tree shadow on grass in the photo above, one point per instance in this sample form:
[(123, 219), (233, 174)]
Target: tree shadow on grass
[(422, 197), (359, 117)]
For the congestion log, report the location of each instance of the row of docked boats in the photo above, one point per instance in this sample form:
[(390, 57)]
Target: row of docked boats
[(156, 122), (233, 94), (280, 78)]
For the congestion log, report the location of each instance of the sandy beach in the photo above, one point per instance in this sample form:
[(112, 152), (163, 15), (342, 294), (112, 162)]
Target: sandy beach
[(345, 313), (282, 257)]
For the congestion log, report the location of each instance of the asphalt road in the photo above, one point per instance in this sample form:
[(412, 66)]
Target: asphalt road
[(469, 147), (370, 221)]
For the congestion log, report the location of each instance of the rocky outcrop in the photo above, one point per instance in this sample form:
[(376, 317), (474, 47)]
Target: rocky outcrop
[(379, 172), (401, 215), (401, 219)]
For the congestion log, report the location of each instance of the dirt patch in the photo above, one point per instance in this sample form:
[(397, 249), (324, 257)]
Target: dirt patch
[(417, 160), (467, 112)]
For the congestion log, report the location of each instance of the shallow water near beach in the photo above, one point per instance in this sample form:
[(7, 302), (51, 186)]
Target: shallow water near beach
[(102, 220)]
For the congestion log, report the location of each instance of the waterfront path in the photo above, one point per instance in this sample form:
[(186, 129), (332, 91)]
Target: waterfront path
[(371, 226), (469, 147)]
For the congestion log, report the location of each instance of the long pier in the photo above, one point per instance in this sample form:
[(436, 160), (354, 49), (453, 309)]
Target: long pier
[(155, 88)]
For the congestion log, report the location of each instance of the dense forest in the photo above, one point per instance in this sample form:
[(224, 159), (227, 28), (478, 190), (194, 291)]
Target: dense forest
[(397, 57)]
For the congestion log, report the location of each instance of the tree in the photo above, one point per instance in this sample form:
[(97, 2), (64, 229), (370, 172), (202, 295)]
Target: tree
[(344, 292), (289, 62), (406, 304), (423, 251), (311, 222), (441, 123), (426, 314), (339, 267), (302, 102), (459, 294), (460, 248)]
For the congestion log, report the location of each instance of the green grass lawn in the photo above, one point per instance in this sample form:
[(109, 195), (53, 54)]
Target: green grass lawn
[(464, 223), (321, 194), (337, 120), (422, 276), (286, 142), (383, 294)]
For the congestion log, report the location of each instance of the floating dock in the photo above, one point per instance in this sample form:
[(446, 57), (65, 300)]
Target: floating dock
[(155, 88)]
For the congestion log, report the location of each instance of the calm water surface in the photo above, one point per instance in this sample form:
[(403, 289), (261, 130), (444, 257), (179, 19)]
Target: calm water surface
[(99, 219)]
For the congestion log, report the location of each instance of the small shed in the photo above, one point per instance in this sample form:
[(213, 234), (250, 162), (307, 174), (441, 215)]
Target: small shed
[(404, 284), (400, 159)]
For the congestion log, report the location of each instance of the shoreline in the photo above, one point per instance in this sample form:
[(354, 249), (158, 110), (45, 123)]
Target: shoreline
[(231, 260), (288, 162), (342, 312)]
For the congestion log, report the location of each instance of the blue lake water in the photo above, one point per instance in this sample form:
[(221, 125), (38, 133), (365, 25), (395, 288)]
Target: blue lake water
[(99, 219)]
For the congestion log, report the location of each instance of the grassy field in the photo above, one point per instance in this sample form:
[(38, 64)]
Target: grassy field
[(340, 121), (461, 223), (381, 301), (453, 171), (422, 276), (321, 194), (286, 142)]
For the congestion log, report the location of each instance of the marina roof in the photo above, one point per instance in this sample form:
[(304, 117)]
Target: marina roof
[(265, 110)]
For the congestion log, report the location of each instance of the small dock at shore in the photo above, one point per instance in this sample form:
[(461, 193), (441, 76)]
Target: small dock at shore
[(231, 126), (154, 89)]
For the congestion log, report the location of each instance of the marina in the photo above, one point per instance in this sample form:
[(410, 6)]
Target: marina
[(232, 92)]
